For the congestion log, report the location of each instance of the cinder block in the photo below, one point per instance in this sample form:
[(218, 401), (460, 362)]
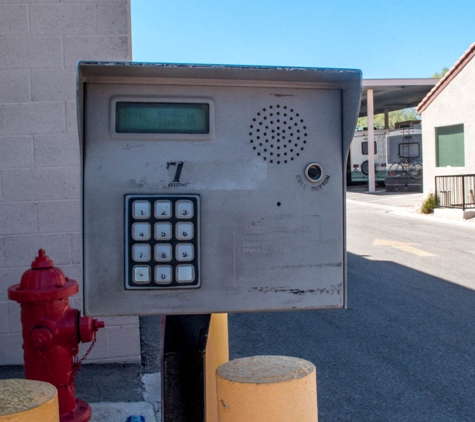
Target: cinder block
[(9, 277), (11, 352), (15, 86), (53, 85), (13, 21), (16, 152), (74, 185), (32, 118), (58, 217), (63, 19), (17, 218), (95, 48), (2, 261), (71, 118), (35, 185), (30, 53), (124, 341), (4, 318), (56, 150), (20, 251), (14, 317), (76, 248), (73, 272), (75, 301), (99, 351), (113, 19)]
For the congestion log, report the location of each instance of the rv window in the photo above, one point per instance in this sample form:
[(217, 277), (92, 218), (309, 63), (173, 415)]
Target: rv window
[(409, 150), (364, 148)]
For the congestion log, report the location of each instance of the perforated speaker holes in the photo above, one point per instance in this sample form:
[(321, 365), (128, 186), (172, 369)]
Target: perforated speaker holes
[(278, 134)]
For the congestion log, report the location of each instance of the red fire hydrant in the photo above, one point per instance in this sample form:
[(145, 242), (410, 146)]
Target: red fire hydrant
[(52, 331)]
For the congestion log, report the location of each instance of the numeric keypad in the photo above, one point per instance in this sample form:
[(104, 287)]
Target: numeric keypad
[(162, 241)]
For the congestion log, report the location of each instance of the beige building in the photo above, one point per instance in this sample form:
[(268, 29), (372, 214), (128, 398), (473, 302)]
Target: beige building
[(448, 134), (40, 44)]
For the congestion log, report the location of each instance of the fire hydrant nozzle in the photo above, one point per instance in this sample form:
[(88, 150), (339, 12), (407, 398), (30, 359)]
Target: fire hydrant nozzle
[(52, 331)]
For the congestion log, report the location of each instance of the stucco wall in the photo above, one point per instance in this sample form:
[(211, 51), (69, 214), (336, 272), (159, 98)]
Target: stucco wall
[(454, 105), (40, 43)]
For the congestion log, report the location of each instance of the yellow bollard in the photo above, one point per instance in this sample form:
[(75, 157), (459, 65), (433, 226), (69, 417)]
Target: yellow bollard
[(217, 353), (27, 401), (267, 389)]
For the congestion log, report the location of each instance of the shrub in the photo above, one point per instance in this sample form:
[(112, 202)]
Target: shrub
[(429, 204)]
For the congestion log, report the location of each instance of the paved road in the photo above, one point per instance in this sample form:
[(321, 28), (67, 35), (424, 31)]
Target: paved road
[(403, 350)]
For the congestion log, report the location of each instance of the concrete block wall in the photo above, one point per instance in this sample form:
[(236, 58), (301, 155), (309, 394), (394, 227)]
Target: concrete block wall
[(453, 106), (40, 44)]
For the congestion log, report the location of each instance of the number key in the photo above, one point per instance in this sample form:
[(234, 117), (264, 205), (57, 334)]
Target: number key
[(141, 231), (163, 209), (141, 252), (184, 231), (184, 209), (163, 231), (141, 210)]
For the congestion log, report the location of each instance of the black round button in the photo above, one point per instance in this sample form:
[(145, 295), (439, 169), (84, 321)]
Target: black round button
[(314, 172)]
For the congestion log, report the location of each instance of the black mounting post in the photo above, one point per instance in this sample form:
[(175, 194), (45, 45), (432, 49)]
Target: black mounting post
[(184, 340)]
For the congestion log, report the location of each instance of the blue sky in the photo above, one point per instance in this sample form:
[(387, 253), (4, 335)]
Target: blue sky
[(402, 39)]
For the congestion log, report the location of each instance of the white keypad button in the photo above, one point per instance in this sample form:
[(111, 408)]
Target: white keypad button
[(141, 274), (163, 274), (141, 210), (184, 231), (163, 209), (185, 273), (184, 209), (163, 253), (163, 231), (141, 231), (185, 252), (141, 252)]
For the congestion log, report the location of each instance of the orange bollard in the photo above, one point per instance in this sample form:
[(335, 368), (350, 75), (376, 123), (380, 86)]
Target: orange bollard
[(27, 400), (267, 389), (217, 353)]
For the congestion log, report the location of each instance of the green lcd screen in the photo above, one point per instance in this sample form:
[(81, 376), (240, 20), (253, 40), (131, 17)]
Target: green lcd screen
[(137, 117)]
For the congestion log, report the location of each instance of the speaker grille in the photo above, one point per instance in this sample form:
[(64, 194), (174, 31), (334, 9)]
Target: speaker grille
[(278, 134)]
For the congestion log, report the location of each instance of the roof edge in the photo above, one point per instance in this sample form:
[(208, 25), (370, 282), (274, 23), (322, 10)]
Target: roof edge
[(447, 78)]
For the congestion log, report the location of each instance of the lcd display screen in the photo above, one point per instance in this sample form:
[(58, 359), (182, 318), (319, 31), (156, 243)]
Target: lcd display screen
[(147, 117)]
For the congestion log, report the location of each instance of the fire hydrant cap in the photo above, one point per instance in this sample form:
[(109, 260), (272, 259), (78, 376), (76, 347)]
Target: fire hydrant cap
[(42, 282)]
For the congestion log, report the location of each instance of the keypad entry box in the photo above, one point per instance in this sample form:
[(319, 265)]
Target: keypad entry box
[(213, 188)]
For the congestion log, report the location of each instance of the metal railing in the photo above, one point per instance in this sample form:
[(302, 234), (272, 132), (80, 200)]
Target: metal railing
[(455, 191)]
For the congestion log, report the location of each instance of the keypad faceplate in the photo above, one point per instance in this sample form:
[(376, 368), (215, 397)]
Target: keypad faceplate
[(162, 241)]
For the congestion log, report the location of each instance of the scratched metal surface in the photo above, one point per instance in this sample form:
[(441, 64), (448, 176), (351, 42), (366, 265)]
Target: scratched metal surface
[(270, 239)]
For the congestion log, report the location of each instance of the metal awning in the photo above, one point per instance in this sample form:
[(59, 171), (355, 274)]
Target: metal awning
[(395, 94)]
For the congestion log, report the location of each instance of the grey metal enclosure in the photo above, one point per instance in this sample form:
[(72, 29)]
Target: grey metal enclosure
[(213, 188)]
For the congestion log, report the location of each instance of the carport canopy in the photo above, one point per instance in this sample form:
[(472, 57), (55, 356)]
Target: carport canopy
[(395, 94), (385, 95)]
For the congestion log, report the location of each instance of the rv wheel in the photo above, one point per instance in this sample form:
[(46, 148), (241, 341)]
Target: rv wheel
[(365, 167)]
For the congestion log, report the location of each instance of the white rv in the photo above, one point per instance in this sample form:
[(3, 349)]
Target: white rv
[(404, 143), (358, 158)]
